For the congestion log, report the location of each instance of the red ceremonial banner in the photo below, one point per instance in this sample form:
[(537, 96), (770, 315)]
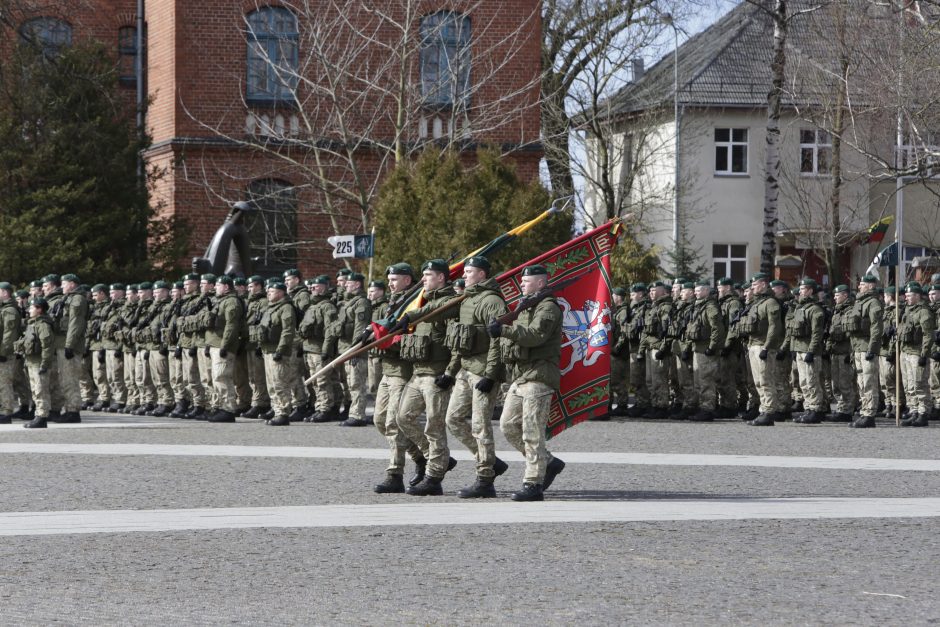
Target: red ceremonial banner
[(586, 307)]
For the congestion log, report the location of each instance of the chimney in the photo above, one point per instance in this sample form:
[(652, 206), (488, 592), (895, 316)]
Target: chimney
[(638, 69)]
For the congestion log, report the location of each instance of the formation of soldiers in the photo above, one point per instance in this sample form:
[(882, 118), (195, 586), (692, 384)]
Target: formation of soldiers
[(765, 352), (216, 347)]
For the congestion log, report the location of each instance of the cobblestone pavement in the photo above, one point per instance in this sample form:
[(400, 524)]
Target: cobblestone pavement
[(150, 521)]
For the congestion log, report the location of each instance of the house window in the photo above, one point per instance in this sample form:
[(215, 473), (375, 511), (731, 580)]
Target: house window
[(272, 230), (911, 253), (919, 155), (730, 151), (815, 152), (272, 55), (445, 60), (730, 260), (127, 55), (48, 34)]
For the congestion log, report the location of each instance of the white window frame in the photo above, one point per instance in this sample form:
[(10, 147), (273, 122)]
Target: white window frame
[(726, 260), (730, 145), (816, 146)]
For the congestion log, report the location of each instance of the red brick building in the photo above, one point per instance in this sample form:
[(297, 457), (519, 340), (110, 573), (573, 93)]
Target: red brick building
[(302, 107)]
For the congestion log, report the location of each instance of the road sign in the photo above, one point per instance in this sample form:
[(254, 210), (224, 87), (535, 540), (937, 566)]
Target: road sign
[(358, 246)]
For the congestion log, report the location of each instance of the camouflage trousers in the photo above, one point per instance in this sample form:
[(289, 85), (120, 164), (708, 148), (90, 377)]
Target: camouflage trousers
[(704, 391), (934, 380), (24, 395), (41, 386), (7, 397), (375, 374), (278, 375), (843, 383), (619, 384), (298, 390), (685, 383), (728, 371), (657, 379), (177, 382), (69, 375), (223, 379), (810, 383), (204, 357), (160, 373), (322, 385), (421, 395), (114, 364), (765, 373), (385, 418), (242, 388), (525, 415), (144, 377), (916, 384), (357, 375), (99, 372), (641, 393), (470, 419), (86, 385), (868, 382), (257, 380), (796, 391), (197, 393), (888, 375)]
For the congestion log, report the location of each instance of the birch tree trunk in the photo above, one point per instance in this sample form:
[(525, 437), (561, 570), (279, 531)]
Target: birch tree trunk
[(772, 164)]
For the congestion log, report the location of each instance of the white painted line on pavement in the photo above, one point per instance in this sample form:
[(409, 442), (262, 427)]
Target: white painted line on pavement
[(87, 424), (632, 459), (504, 512)]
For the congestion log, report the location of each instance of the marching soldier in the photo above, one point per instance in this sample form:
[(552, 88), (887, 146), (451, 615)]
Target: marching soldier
[(839, 347), (223, 337), (300, 297), (476, 368), (639, 303), (38, 347), (353, 320), (275, 333), (916, 337), (379, 300), (156, 350), (864, 329), (112, 334), (788, 379), (69, 315), (129, 348), (257, 304), (10, 323), (172, 339), (531, 349), (96, 344), (203, 354), (192, 303), (705, 333), (318, 330), (656, 344), (685, 399), (143, 342), (886, 370), (619, 352), (730, 360), (807, 327), (763, 326)]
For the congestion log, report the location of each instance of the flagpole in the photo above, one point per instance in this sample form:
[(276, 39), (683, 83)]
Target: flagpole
[(899, 230), (373, 254)]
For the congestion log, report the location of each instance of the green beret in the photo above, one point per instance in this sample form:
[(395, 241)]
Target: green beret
[(277, 284), (225, 280), (795, 291), (703, 284), (161, 285), (84, 287), (869, 278), (343, 272), (679, 280), (746, 285), (209, 278), (914, 288), (98, 287), (779, 283), (808, 282), (479, 261), (22, 293), (891, 290), (36, 283), (638, 287), (51, 278), (726, 281), (39, 301), (618, 291), (71, 278), (6, 286), (256, 279), (403, 269), (535, 270), (688, 285), (132, 287), (292, 272), (935, 286), (241, 281), (460, 283), (192, 276), (436, 265), (323, 279), (355, 276), (146, 285), (759, 276), (118, 287), (840, 288), (378, 284), (657, 284), (178, 285)]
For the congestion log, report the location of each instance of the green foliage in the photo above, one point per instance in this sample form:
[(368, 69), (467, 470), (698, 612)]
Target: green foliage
[(70, 198), (685, 260), (631, 262), (437, 207)]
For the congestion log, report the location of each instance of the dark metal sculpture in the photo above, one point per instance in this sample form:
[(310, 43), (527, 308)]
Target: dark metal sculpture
[(228, 252)]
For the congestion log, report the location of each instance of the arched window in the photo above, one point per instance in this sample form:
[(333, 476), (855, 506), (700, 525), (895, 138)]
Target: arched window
[(127, 55), (445, 59), (272, 231), (47, 33), (272, 55)]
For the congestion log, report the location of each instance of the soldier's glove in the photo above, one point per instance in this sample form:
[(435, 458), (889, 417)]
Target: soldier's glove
[(808, 358), (364, 337), (659, 355), (869, 356), (277, 357), (223, 353), (164, 351), (192, 351), (101, 355), (178, 353), (205, 351), (146, 355), (68, 353), (119, 355), (847, 360), (258, 353), (485, 385), (922, 362), (762, 354), (935, 356), (936, 336), (443, 381), (494, 328), (686, 355), (43, 370), (133, 352), (402, 324), (726, 351), (709, 352), (19, 357), (781, 355)]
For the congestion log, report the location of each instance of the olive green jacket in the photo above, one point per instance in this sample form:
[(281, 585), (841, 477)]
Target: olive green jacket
[(730, 305), (706, 328), (838, 342), (764, 326), (392, 363), (229, 323), (257, 305), (70, 318), (425, 347), (353, 317), (807, 326), (620, 332), (38, 341), (531, 346), (112, 326), (467, 339), (278, 328), (10, 327), (635, 320), (657, 321), (865, 323), (916, 330), (318, 327), (889, 330)]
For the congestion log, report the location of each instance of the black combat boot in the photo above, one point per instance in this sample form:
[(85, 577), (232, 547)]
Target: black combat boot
[(70, 417), (552, 470), (278, 421), (839, 417), (393, 484), (529, 492), (637, 411), (330, 415), (36, 423), (482, 488), (98, 406), (421, 466), (196, 413), (921, 420), (864, 422), (5, 420), (429, 486), (268, 415), (54, 415), (702, 416), (21, 413), (355, 422), (499, 467), (222, 416), (749, 414), (763, 420), (298, 414), (143, 409), (253, 412), (160, 411)]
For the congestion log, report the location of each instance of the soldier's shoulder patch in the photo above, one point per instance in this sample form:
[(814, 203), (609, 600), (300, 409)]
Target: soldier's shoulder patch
[(362, 315)]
